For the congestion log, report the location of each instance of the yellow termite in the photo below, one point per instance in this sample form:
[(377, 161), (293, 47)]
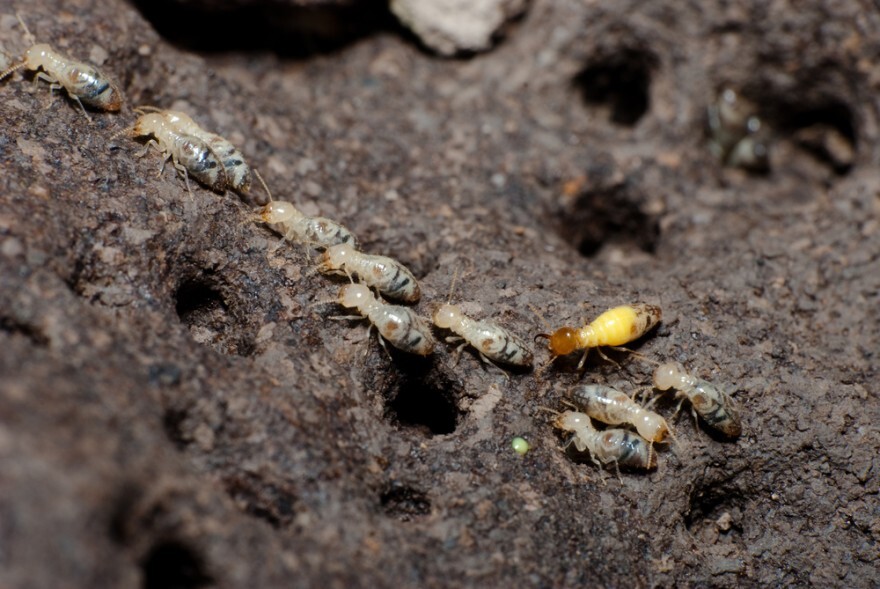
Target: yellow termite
[(615, 327), (83, 82)]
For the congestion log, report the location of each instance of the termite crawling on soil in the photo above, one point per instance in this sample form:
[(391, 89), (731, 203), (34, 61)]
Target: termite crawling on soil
[(611, 446), (715, 406), (83, 82), (612, 328), (190, 155), (400, 326), (238, 173), (299, 228), (608, 405), (493, 342), (387, 275)]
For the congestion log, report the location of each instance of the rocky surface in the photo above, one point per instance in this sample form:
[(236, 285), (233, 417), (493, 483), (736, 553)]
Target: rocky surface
[(177, 409)]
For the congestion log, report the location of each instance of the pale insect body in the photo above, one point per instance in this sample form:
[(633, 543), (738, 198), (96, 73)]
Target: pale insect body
[(387, 275), (608, 405), (299, 228), (400, 326), (491, 341), (238, 173), (83, 82), (190, 155), (611, 446), (715, 406), (614, 327)]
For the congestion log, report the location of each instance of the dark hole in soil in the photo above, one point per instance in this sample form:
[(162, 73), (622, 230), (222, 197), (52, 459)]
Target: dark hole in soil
[(404, 503), (262, 500), (622, 82), (33, 334), (289, 31), (172, 423), (606, 216), (414, 402), (202, 308), (710, 502), (826, 131), (173, 565)]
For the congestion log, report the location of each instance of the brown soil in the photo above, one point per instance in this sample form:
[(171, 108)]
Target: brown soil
[(175, 410)]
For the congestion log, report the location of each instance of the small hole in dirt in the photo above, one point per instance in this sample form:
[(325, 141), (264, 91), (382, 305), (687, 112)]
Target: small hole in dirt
[(172, 422), (423, 404), (173, 565), (826, 131), (608, 215), (31, 333), (203, 309), (261, 499), (621, 82), (710, 503), (404, 503)]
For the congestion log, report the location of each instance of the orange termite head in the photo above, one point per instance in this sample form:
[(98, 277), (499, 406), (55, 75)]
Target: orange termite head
[(563, 341)]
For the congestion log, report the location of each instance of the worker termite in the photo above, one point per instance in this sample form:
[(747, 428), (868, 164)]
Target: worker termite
[(608, 405), (493, 342), (610, 446), (400, 326), (737, 136), (388, 276), (83, 82), (715, 406), (238, 173), (612, 328), (297, 227), (190, 155)]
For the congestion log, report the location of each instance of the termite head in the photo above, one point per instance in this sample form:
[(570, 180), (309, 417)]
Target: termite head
[(652, 427), (563, 341), (336, 256), (147, 124), (668, 376), (446, 316), (353, 296), (571, 421), (278, 212)]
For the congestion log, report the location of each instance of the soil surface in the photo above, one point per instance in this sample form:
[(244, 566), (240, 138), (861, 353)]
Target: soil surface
[(178, 409)]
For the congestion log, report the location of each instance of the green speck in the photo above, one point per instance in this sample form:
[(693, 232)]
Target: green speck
[(520, 446)]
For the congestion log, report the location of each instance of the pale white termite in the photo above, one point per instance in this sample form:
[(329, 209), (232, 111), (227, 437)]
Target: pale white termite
[(83, 82), (608, 405), (387, 275), (400, 326), (319, 232), (190, 155), (737, 136), (238, 173), (611, 446), (493, 342), (715, 406)]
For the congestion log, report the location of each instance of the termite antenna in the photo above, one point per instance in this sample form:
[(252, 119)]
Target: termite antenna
[(263, 182), (12, 69), (146, 108), (541, 319), (28, 36), (120, 133), (549, 410)]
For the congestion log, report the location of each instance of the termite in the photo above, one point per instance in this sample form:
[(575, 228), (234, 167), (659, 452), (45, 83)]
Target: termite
[(83, 82), (400, 326), (238, 173), (608, 405), (737, 136), (617, 446), (612, 328), (715, 406), (388, 276), (190, 155), (493, 342)]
